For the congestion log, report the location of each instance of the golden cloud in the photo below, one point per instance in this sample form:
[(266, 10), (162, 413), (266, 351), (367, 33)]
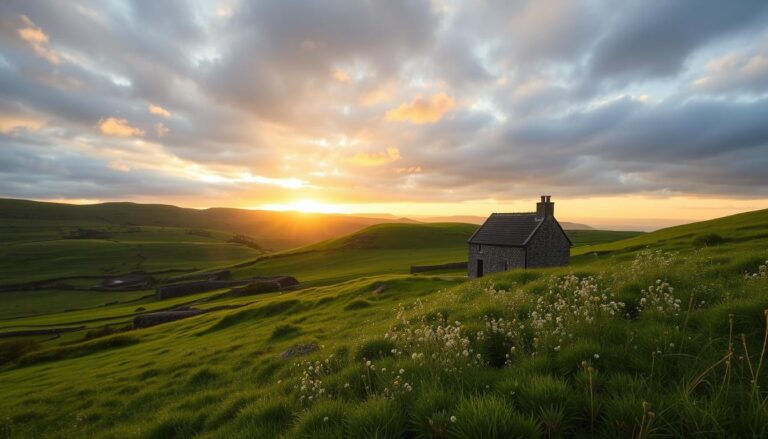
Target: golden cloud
[(10, 123), (376, 159), (113, 126), (341, 76), (423, 110), (156, 109), (37, 39)]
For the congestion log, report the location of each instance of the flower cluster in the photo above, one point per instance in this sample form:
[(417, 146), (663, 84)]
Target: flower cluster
[(762, 272), (506, 334), (660, 298), (394, 382), (310, 384), (572, 300), (648, 259), (444, 343)]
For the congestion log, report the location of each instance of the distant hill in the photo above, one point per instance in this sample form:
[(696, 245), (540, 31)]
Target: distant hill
[(400, 236), (275, 230), (382, 248), (473, 219)]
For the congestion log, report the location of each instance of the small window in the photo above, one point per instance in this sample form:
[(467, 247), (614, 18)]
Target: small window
[(506, 265), (479, 248)]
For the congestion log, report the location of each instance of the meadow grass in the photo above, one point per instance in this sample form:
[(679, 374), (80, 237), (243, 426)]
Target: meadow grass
[(654, 336)]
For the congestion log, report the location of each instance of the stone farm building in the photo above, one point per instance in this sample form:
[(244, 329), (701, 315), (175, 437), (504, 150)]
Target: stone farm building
[(519, 240)]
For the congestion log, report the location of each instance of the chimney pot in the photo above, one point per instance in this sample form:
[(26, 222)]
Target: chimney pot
[(543, 197)]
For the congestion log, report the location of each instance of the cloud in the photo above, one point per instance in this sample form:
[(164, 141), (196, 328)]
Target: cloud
[(499, 99), (376, 159), (648, 39), (743, 72), (37, 39), (113, 126), (160, 111), (423, 110), (340, 75), (9, 123), (161, 130)]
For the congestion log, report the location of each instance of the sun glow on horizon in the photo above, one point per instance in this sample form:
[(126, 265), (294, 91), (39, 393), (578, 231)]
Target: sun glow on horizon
[(304, 206)]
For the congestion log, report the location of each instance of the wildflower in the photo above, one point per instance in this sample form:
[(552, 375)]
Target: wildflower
[(325, 419), (402, 371), (453, 418), (597, 356)]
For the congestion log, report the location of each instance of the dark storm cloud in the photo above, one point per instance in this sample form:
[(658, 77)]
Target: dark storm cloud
[(654, 38)]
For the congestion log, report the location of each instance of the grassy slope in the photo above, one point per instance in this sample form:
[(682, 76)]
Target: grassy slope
[(379, 249), (277, 230), (382, 248), (595, 237), (218, 375), (37, 251)]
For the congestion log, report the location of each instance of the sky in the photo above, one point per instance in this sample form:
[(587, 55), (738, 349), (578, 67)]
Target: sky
[(641, 113)]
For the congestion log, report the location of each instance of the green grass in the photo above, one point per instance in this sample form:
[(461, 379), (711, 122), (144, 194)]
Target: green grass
[(28, 303), (650, 367), (595, 237), (150, 249)]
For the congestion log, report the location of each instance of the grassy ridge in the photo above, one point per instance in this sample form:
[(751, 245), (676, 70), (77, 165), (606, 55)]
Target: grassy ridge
[(274, 230), (382, 248), (640, 338)]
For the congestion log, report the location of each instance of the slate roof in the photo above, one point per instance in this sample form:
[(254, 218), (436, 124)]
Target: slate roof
[(512, 229)]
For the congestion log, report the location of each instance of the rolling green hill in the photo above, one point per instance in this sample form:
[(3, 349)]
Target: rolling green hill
[(273, 230), (378, 249), (657, 335)]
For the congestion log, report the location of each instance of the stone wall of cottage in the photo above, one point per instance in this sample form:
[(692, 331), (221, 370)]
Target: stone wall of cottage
[(549, 247), (495, 258)]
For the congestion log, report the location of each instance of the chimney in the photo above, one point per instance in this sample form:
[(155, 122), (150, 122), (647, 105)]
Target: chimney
[(545, 208)]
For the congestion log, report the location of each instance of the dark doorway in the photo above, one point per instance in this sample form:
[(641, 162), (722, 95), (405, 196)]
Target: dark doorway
[(479, 268)]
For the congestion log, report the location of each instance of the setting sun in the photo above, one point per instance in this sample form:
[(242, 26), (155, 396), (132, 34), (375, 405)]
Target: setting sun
[(305, 206)]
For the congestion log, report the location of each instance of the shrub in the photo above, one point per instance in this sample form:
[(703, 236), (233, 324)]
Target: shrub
[(430, 413), (376, 418), (708, 240), (541, 391), (266, 417), (326, 419), (374, 349), (490, 416), (11, 351)]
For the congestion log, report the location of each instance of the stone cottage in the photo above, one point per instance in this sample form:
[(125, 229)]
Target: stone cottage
[(519, 240)]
